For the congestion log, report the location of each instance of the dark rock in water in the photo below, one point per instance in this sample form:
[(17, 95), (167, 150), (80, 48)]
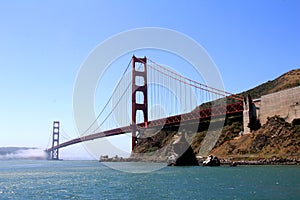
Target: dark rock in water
[(211, 161), (233, 164), (181, 153), (172, 159)]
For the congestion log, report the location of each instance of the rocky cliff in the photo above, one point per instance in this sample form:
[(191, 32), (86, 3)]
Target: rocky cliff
[(276, 138)]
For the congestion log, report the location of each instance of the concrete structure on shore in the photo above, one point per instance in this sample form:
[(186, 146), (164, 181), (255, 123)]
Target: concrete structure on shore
[(249, 114), (285, 103)]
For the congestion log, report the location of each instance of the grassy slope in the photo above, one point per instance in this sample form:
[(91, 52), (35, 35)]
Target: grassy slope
[(288, 80)]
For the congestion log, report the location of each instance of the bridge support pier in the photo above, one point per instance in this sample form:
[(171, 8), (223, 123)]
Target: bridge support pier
[(55, 141), (139, 87), (250, 120)]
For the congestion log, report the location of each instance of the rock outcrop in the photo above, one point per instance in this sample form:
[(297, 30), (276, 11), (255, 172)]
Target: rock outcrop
[(277, 138), (181, 153), (212, 161)]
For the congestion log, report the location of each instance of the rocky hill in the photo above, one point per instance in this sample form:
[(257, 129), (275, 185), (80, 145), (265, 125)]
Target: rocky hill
[(276, 138)]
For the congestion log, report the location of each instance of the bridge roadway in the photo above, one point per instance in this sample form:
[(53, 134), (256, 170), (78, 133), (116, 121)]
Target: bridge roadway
[(231, 109)]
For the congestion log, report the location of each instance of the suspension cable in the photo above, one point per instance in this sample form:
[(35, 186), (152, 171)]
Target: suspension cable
[(123, 94), (235, 96), (115, 89)]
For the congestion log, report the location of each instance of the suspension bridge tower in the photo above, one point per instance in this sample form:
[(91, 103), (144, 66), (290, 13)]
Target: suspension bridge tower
[(139, 88), (55, 141)]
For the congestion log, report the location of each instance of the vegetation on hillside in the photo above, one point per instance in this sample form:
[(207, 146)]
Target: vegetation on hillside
[(288, 80)]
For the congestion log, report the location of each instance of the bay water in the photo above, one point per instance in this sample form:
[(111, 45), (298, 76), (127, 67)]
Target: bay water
[(25, 179)]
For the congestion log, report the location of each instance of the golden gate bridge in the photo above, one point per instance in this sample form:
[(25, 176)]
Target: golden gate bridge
[(148, 84)]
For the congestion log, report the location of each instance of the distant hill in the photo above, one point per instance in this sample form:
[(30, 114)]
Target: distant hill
[(288, 80)]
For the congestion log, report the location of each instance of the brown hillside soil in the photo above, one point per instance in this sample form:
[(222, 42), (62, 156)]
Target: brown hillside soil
[(155, 146), (276, 138), (287, 80), (228, 133)]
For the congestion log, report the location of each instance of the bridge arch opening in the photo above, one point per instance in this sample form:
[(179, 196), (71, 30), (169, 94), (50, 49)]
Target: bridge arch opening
[(139, 97)]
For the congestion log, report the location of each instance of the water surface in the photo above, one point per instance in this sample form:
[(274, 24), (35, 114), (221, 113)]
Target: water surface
[(93, 180)]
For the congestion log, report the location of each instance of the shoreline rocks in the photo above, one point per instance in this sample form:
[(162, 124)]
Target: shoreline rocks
[(223, 161), (212, 161), (262, 161), (117, 158)]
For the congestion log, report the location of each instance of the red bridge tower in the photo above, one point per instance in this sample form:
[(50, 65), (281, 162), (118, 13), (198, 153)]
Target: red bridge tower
[(139, 87), (55, 141)]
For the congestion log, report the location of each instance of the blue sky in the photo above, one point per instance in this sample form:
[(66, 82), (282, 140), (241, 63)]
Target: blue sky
[(43, 44)]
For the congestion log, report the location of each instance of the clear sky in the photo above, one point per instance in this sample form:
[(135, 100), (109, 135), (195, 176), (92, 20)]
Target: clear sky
[(44, 43)]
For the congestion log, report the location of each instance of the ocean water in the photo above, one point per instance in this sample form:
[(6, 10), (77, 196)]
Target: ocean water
[(94, 180)]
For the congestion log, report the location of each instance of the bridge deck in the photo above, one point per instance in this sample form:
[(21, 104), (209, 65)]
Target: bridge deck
[(230, 109)]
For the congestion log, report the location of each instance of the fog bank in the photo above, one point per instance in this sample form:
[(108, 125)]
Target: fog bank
[(19, 153)]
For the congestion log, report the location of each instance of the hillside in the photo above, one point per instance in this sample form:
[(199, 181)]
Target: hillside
[(276, 138), (288, 80)]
